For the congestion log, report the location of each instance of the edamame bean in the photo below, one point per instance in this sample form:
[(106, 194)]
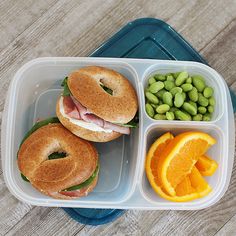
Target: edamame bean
[(193, 95), (206, 117), (199, 77), (208, 92), (197, 117), (212, 101), (186, 87), (149, 110), (202, 101), (184, 95), (199, 83), (193, 104), (152, 98), (180, 115), (176, 90), (160, 117), (153, 105), (189, 80), (160, 93), (202, 110), (190, 108), (176, 74), (151, 80), (162, 108), (170, 115), (174, 109), (167, 98), (155, 87), (181, 78), (170, 78), (210, 109), (160, 77), (169, 85), (179, 100)]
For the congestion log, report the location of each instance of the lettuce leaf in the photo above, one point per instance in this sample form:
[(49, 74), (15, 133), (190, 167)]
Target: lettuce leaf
[(66, 91)]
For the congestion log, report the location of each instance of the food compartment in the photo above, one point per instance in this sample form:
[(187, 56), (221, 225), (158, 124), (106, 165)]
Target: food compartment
[(212, 79), (217, 152), (37, 87)]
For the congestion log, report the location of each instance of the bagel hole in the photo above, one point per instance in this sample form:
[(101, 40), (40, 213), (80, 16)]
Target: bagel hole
[(57, 155), (106, 89)]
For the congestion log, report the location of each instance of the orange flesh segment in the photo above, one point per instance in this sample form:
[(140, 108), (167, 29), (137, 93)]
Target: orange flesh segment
[(206, 165), (184, 187), (199, 183)]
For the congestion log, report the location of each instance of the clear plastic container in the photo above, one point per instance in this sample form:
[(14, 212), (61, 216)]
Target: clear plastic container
[(122, 181)]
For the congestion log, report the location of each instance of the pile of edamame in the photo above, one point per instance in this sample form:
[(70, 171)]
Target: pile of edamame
[(178, 96)]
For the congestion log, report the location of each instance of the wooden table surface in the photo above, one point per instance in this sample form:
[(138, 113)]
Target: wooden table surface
[(36, 28)]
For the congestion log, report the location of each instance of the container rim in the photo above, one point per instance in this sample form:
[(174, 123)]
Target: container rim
[(7, 120)]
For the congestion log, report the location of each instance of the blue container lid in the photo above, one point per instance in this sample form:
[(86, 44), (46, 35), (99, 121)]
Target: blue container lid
[(94, 216), (143, 38)]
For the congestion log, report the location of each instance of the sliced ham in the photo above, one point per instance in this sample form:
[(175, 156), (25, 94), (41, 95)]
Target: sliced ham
[(70, 108), (86, 115), (77, 193), (117, 128), (76, 110)]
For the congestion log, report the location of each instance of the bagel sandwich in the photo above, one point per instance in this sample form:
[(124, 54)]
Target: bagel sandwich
[(56, 162), (98, 104)]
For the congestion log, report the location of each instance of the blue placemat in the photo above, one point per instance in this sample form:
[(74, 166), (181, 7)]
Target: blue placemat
[(143, 38)]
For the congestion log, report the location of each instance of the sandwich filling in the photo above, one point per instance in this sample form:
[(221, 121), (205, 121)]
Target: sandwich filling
[(72, 191), (80, 115), (69, 111)]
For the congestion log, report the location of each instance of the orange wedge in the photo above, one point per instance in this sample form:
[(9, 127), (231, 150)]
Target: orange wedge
[(185, 191), (206, 165), (179, 157), (153, 157)]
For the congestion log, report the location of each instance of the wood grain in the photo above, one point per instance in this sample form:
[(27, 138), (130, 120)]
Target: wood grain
[(228, 228), (30, 29)]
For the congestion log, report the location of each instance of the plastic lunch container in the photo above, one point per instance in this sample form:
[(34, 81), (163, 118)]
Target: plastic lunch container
[(122, 180)]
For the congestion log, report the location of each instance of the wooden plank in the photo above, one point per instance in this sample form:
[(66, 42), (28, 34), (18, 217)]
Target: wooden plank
[(46, 221), (221, 53), (16, 16), (11, 210), (200, 21), (229, 228)]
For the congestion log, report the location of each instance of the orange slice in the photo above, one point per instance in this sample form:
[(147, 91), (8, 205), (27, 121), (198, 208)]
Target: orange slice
[(179, 157), (185, 191), (206, 165), (153, 157)]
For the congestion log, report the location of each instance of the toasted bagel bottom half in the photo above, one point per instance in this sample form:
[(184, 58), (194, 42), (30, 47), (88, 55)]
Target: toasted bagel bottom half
[(73, 194), (84, 133), (52, 176)]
